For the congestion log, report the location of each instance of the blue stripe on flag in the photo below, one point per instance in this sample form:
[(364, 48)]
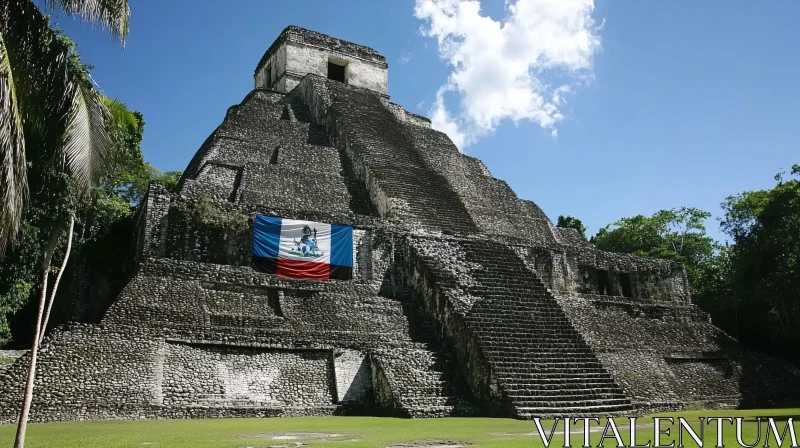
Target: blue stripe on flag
[(266, 236), (341, 245)]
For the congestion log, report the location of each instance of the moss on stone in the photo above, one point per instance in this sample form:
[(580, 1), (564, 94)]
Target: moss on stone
[(206, 212)]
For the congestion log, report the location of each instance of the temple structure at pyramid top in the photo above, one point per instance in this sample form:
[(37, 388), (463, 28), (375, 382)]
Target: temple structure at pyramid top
[(298, 52), (328, 252)]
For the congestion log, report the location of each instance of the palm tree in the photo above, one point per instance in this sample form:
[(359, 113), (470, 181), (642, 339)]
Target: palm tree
[(39, 93), (47, 98)]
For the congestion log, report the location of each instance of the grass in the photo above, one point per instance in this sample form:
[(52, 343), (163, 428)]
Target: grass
[(6, 360), (355, 432)]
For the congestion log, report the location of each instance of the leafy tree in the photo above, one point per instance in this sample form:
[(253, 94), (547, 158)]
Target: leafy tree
[(751, 287), (18, 275), (46, 103), (108, 208), (714, 289), (52, 121), (570, 222), (169, 179), (677, 234), (765, 264)]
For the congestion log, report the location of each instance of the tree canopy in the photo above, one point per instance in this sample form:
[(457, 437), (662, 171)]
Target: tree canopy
[(760, 271), (570, 222), (677, 234), (751, 286)]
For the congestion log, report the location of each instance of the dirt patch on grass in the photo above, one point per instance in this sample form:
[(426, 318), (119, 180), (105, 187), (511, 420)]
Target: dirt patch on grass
[(429, 444), (296, 436)]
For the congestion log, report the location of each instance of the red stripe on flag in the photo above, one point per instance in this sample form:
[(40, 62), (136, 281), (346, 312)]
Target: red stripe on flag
[(303, 269)]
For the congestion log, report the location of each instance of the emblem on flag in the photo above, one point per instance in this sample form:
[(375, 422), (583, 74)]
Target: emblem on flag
[(302, 249), (307, 246)]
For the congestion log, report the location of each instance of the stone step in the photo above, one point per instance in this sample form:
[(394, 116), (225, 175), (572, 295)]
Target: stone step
[(527, 413), (510, 332), (531, 354), (568, 392), (515, 293), (519, 320), (532, 338), (494, 347), (528, 327), (528, 343), (431, 401), (538, 353), (488, 309), (520, 382), (574, 403), (528, 355), (544, 364), (516, 337), (510, 369)]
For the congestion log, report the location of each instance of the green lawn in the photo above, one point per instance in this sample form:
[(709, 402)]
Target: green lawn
[(335, 432), (6, 360)]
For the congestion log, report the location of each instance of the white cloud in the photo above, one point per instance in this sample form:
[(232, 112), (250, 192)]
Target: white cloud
[(442, 121), (404, 58), (517, 68)]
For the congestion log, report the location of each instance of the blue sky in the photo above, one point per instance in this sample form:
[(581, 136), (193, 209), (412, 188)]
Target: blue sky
[(673, 103)]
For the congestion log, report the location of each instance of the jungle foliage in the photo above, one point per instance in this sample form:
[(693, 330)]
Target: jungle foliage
[(102, 209), (750, 285)]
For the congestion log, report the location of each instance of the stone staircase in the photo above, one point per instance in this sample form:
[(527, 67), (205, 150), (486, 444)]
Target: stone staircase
[(424, 377), (426, 383), (541, 363), (411, 191)]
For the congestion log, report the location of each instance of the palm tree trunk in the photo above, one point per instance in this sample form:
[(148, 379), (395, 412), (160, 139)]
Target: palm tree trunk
[(28, 398), (58, 277)]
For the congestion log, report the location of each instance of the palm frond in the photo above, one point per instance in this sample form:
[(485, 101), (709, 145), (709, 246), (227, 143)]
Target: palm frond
[(29, 58), (123, 117), (113, 14), (88, 137), (51, 119), (13, 177)]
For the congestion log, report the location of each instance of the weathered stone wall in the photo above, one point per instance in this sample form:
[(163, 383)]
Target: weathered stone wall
[(198, 324), (271, 74), (153, 223), (303, 59), (299, 52), (667, 355), (198, 375), (353, 377), (405, 116), (85, 372), (576, 270), (490, 202)]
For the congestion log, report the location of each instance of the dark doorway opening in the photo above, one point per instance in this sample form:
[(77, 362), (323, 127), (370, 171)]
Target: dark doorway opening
[(336, 71), (273, 159), (602, 282), (625, 279)]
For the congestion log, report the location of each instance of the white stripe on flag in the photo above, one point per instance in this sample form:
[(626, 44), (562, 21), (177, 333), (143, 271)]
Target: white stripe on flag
[(305, 241)]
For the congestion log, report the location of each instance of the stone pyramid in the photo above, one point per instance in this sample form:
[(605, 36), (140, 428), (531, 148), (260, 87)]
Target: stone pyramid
[(466, 300)]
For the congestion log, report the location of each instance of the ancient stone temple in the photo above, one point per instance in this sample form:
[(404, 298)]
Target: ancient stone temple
[(464, 299)]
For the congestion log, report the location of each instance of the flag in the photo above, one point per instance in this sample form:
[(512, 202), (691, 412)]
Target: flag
[(302, 249)]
